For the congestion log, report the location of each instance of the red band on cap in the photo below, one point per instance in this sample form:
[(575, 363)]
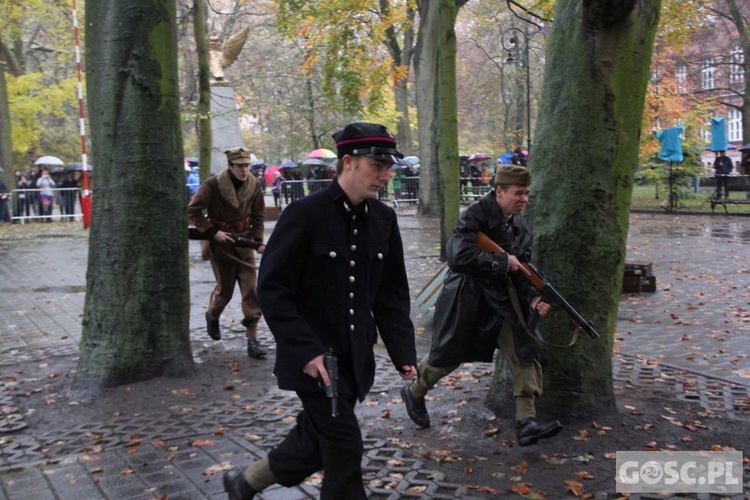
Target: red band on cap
[(363, 139)]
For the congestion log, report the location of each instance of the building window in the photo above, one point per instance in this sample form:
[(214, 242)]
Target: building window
[(708, 73), (705, 134), (737, 66), (734, 127), (680, 75)]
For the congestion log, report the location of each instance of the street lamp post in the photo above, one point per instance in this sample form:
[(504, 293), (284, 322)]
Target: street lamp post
[(515, 33)]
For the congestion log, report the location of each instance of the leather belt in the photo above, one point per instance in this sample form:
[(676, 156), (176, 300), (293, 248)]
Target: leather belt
[(237, 226)]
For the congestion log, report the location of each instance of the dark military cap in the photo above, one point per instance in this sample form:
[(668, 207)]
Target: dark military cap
[(367, 139)]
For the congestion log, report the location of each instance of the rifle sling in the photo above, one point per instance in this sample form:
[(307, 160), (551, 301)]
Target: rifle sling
[(537, 338)]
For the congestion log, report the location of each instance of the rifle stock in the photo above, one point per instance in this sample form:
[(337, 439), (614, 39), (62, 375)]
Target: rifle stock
[(239, 241), (547, 291)]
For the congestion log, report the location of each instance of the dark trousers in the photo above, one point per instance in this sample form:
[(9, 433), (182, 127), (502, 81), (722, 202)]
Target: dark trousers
[(721, 185), (320, 441)]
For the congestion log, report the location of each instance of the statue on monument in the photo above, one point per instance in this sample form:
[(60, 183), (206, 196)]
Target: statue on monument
[(220, 58), (225, 124)]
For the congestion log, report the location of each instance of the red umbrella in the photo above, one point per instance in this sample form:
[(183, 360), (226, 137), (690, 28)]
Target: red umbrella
[(268, 174), (321, 153)]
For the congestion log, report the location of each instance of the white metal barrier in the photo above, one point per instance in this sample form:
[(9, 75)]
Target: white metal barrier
[(26, 205)]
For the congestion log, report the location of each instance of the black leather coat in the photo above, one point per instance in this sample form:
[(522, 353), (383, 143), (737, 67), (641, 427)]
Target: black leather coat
[(332, 279), (474, 300)]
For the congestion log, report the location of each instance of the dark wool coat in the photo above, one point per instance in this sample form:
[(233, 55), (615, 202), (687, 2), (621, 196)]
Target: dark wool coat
[(328, 278), (474, 300), (217, 200)]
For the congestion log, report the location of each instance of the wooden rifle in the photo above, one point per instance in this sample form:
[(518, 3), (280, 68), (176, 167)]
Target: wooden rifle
[(546, 290), (239, 241)]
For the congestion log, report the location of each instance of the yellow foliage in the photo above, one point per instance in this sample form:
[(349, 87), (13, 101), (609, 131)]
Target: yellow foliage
[(31, 97)]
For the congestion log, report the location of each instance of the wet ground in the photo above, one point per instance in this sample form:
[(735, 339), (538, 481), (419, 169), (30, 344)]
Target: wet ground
[(691, 334)]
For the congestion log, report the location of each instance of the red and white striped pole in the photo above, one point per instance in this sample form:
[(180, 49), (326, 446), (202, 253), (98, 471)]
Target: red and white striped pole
[(85, 195)]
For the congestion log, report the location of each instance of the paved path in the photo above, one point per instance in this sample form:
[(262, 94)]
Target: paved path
[(693, 330)]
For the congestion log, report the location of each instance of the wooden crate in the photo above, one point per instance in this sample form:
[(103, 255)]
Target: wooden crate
[(638, 284), (638, 269)]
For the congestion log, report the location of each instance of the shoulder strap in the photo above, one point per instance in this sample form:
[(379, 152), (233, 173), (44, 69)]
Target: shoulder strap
[(534, 335)]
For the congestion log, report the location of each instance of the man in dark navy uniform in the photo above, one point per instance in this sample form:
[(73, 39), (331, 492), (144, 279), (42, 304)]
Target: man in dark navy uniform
[(332, 279)]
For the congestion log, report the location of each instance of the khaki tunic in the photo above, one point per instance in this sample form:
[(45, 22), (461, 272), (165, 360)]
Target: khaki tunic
[(216, 205)]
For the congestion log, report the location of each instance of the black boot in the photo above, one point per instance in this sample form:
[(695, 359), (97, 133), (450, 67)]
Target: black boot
[(415, 407), (212, 325), (530, 430), (236, 486), (254, 350)]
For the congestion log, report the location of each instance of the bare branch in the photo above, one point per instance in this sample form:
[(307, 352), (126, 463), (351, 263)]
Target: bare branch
[(526, 12)]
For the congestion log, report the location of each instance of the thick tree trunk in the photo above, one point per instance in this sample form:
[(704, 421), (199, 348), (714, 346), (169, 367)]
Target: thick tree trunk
[(6, 145), (403, 128), (136, 315), (435, 71), (311, 126), (584, 158), (205, 139)]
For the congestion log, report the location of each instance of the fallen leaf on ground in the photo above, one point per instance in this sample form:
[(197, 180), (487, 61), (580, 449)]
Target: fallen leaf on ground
[(574, 487)]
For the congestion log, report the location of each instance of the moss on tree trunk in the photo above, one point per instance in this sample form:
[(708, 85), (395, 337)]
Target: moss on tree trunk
[(584, 158), (136, 314)]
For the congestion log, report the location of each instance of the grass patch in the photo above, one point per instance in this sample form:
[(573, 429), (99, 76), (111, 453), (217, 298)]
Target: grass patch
[(651, 197)]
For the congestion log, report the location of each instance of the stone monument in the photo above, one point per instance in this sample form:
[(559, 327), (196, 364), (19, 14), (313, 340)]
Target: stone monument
[(225, 124)]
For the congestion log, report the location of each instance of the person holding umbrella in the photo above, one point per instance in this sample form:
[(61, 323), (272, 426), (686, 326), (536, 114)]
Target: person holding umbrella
[(45, 184)]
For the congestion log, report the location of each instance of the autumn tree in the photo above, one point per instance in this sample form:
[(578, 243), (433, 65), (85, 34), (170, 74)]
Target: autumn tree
[(361, 49), (136, 314), (584, 158), (732, 55), (38, 106), (668, 104)]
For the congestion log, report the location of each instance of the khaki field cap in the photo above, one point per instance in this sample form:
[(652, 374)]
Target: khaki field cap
[(512, 175), (238, 155)]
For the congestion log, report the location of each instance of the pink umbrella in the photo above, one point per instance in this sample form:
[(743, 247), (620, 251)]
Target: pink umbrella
[(479, 157), (268, 174), (321, 153)]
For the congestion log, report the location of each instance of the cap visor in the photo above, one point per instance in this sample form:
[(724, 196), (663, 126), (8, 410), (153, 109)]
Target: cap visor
[(386, 157)]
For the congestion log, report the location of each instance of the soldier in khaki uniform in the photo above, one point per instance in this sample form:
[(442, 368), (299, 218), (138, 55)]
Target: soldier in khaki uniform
[(226, 206)]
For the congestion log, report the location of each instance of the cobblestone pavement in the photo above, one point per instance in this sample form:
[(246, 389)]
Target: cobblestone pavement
[(693, 331)]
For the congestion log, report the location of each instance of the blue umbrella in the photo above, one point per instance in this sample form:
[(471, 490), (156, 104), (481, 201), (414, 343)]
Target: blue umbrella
[(505, 159), (288, 164)]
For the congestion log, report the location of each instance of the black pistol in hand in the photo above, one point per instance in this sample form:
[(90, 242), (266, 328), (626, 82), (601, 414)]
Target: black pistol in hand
[(332, 391)]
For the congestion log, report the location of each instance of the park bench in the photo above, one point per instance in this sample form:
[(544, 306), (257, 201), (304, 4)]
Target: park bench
[(736, 184)]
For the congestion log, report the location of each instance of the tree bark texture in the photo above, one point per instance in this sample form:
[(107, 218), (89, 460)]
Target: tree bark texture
[(435, 73), (402, 55), (205, 139), (136, 314), (584, 158), (6, 144)]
